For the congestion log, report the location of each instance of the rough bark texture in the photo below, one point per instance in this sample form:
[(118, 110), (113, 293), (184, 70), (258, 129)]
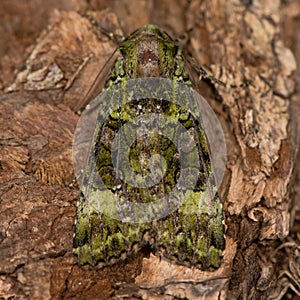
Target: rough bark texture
[(50, 55)]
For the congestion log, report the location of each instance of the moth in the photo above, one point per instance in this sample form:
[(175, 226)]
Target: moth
[(147, 175)]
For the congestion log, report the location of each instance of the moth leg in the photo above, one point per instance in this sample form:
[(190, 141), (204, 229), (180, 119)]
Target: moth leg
[(204, 74)]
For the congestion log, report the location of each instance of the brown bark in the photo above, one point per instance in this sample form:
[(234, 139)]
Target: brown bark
[(57, 53)]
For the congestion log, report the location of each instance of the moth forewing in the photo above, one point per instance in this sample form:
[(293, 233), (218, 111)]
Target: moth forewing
[(148, 177)]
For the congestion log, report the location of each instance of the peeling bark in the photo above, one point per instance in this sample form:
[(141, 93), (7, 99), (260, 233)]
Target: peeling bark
[(246, 45)]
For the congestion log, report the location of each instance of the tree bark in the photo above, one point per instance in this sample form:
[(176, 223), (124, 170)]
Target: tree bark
[(57, 56)]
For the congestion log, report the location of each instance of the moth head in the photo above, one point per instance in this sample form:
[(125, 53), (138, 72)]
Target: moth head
[(149, 52)]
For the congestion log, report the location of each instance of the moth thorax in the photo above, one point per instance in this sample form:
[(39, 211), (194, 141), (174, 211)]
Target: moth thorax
[(148, 59)]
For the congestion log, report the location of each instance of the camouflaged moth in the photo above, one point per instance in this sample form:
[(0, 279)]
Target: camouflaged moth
[(147, 180)]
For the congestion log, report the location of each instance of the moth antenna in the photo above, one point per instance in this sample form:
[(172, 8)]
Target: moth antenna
[(117, 38)]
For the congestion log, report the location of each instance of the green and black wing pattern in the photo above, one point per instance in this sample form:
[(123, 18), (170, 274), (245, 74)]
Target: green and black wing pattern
[(177, 213)]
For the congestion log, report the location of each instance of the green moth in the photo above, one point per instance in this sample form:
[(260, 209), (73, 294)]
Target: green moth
[(147, 177)]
